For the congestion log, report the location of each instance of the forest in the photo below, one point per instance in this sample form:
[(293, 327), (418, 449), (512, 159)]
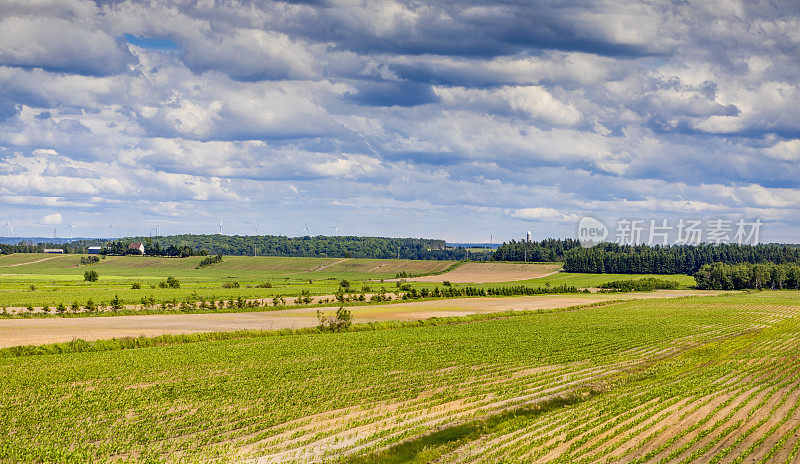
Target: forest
[(272, 245), (720, 276), (681, 259), (548, 250)]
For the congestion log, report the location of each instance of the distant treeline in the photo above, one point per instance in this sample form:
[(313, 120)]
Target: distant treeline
[(22, 247), (319, 246), (547, 250), (682, 259), (720, 276)]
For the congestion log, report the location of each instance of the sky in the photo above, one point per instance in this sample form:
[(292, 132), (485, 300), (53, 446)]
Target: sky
[(460, 120)]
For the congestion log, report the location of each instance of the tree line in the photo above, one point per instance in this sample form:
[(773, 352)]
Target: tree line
[(23, 247), (721, 276), (318, 246), (548, 250), (680, 259)]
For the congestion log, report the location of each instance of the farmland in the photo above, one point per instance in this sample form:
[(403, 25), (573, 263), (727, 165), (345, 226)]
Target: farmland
[(699, 379), (41, 280)]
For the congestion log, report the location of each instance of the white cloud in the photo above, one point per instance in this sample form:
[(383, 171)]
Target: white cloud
[(53, 219), (543, 214)]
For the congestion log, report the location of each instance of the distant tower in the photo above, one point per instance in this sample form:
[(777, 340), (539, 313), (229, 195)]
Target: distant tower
[(529, 236)]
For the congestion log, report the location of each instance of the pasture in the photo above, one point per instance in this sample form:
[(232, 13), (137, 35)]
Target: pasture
[(698, 379)]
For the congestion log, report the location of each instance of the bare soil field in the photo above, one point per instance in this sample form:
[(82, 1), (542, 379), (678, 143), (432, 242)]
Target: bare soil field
[(35, 331), (479, 273)]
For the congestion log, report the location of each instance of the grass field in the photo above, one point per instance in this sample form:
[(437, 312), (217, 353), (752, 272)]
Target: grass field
[(710, 379), (59, 278)]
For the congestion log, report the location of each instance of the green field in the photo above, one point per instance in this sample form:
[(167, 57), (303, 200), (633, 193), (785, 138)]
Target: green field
[(59, 278), (702, 379)]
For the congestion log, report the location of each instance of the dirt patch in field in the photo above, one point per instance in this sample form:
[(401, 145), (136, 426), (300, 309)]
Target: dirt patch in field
[(491, 272), (36, 331)]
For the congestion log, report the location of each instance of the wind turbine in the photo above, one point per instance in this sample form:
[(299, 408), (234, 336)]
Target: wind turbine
[(305, 229), (220, 226), (69, 228), (109, 229), (156, 228), (10, 228), (336, 229)]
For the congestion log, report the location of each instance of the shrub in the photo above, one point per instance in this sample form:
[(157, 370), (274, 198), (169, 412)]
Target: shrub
[(231, 285), (264, 285), (90, 306), (447, 283), (342, 320), (344, 284), (208, 261), (86, 260), (33, 288), (171, 282), (116, 303), (136, 286), (91, 276)]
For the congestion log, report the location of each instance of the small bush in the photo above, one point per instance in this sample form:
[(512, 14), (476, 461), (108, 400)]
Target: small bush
[(91, 276), (33, 288), (231, 285), (447, 283), (136, 286), (264, 285), (342, 320), (171, 282), (86, 260)]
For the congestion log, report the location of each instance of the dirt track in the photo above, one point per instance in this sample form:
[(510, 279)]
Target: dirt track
[(491, 272), (35, 331)]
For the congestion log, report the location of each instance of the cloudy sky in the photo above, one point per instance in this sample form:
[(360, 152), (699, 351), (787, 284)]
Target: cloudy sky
[(449, 119)]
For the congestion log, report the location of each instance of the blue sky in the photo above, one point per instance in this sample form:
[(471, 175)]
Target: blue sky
[(452, 119)]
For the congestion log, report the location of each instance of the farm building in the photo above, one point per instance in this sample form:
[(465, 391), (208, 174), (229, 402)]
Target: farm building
[(57, 251), (94, 250), (137, 246)]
